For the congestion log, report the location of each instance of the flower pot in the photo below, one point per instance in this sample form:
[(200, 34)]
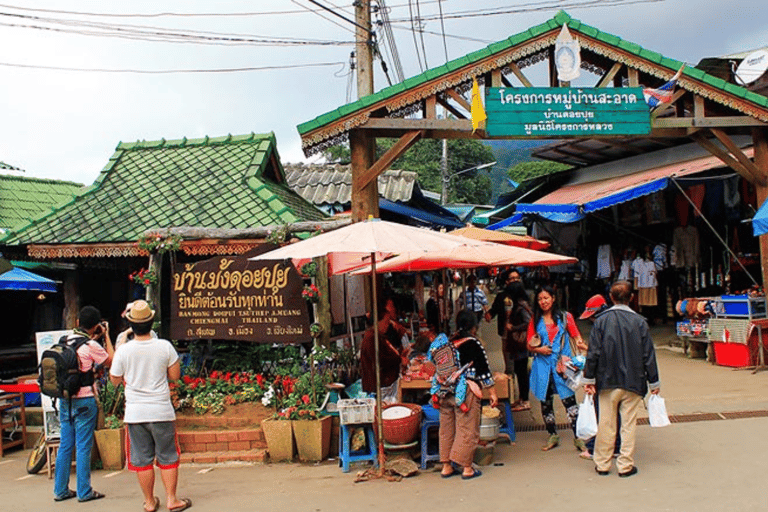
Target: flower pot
[(313, 438), (111, 445), (279, 436)]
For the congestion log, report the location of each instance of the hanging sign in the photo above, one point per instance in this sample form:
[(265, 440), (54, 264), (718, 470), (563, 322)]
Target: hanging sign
[(561, 112), (233, 298)]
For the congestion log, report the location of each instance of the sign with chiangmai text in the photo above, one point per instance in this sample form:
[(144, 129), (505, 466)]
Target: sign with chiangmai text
[(232, 298), (566, 112)]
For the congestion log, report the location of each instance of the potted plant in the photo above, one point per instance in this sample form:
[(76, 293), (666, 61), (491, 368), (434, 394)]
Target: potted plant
[(110, 438), (311, 428), (278, 430)]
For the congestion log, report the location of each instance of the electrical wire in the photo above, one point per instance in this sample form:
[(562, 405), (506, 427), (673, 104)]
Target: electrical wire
[(442, 28), (389, 39), (326, 18), (172, 71), (421, 33), (413, 32)]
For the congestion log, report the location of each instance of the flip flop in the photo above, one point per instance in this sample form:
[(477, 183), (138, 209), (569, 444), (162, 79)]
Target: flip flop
[(187, 503), (95, 495), (475, 473), (154, 509), (70, 494), (449, 475)]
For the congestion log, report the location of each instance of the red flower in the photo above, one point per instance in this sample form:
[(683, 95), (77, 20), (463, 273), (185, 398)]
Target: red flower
[(193, 385), (187, 379), (214, 374), (305, 399)]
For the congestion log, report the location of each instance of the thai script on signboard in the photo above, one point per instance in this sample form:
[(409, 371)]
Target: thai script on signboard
[(544, 112), (237, 299)]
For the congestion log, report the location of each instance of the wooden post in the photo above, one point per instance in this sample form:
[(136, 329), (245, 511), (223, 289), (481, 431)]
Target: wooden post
[(365, 200), (760, 141), (323, 310), (71, 299)]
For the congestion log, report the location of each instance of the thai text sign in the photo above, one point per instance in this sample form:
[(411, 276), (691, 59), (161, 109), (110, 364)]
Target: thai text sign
[(556, 112), (232, 298)]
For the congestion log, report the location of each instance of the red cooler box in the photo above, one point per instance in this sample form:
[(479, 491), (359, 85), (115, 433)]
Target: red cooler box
[(735, 341)]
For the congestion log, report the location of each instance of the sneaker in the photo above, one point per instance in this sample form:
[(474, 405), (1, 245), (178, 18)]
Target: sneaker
[(580, 444), (552, 442)]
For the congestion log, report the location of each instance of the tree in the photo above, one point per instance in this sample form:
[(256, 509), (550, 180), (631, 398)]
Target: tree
[(527, 170), (425, 156)]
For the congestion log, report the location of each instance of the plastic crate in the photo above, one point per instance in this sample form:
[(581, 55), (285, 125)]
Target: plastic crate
[(356, 410), (734, 355), (740, 306)]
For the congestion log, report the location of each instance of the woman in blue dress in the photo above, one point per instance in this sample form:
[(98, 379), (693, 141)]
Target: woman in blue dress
[(548, 341)]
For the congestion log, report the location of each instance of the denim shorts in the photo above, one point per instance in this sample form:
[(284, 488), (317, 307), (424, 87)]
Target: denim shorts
[(152, 443)]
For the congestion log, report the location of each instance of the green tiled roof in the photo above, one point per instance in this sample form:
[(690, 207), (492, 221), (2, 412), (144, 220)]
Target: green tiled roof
[(560, 19), (224, 182), (23, 198)]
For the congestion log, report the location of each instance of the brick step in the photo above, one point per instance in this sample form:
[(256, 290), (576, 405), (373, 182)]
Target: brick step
[(252, 455), (199, 441)]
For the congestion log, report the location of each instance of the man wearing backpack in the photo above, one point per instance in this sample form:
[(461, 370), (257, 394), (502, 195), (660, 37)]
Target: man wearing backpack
[(78, 413)]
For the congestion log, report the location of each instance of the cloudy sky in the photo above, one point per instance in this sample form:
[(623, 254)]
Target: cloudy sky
[(79, 76)]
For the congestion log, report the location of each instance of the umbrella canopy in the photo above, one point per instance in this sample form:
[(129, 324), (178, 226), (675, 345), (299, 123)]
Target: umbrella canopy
[(469, 256), (760, 220), (19, 279), (487, 235), (356, 242)]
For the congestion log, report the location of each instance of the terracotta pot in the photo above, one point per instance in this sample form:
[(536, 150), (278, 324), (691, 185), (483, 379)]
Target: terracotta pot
[(111, 445), (313, 438), (279, 436)]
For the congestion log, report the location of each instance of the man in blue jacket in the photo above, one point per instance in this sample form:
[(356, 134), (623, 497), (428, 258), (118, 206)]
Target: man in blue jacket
[(621, 361)]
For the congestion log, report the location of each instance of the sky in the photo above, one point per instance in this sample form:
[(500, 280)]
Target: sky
[(70, 90)]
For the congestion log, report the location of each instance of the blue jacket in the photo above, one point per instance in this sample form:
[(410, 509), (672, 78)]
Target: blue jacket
[(544, 367)]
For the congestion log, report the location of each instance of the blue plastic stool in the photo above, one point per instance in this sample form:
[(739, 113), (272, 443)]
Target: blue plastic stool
[(426, 456), (509, 424), (369, 453)]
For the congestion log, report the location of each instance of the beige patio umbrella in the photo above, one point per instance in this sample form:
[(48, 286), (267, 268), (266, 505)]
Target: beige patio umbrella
[(364, 240), (487, 235)]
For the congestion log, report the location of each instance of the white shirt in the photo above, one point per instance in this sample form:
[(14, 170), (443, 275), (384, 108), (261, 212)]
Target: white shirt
[(143, 365)]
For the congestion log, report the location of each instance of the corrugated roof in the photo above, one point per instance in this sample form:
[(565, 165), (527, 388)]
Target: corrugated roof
[(332, 184), (224, 182), (383, 98), (23, 198)]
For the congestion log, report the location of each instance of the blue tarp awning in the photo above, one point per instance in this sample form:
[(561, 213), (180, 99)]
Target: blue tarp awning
[(760, 220), (448, 220), (19, 279)]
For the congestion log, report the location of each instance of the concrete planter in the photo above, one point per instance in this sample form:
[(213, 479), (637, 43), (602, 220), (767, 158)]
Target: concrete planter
[(111, 445), (313, 438), (279, 436)]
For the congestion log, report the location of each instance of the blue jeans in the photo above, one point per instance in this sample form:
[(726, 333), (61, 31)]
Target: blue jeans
[(76, 435)]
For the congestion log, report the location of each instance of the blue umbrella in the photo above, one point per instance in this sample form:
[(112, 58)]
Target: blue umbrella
[(760, 220), (19, 279)]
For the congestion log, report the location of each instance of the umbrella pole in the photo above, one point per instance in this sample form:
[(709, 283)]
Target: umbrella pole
[(379, 422)]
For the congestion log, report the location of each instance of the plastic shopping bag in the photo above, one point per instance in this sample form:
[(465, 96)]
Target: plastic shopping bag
[(586, 424), (657, 412)]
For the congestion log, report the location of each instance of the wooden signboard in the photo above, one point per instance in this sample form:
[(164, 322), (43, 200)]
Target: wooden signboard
[(232, 298), (558, 112)]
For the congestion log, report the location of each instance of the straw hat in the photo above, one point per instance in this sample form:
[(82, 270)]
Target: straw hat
[(140, 312)]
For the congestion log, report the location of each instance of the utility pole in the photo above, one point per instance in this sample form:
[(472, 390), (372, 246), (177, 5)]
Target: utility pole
[(444, 173), (365, 200)]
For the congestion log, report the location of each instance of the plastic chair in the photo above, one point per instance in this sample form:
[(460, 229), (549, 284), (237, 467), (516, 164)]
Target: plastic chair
[(426, 456), (369, 453)]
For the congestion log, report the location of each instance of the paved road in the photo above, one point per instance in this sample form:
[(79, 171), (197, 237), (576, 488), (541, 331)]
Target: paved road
[(695, 466)]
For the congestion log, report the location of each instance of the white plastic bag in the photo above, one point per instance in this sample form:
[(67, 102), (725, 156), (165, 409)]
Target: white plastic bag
[(586, 424), (657, 411)]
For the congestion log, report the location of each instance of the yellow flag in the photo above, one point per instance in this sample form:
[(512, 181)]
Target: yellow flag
[(478, 111)]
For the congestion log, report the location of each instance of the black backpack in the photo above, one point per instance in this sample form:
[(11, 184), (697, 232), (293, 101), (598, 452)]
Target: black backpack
[(59, 370)]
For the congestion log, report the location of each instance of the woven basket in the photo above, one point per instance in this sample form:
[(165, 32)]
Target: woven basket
[(402, 430)]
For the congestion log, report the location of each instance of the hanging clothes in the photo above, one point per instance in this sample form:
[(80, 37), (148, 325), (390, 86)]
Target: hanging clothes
[(647, 284), (625, 273), (605, 265), (660, 256), (686, 242)]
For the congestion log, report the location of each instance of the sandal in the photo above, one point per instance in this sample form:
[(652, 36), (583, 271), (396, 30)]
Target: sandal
[(580, 445), (156, 505), (522, 406), (552, 442), (475, 473), (186, 503), (70, 494), (95, 495)]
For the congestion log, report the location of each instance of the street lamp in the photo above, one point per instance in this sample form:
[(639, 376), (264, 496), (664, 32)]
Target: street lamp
[(447, 179)]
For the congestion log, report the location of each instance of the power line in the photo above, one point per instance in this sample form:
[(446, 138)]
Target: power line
[(413, 32), (442, 28), (172, 71), (421, 33)]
